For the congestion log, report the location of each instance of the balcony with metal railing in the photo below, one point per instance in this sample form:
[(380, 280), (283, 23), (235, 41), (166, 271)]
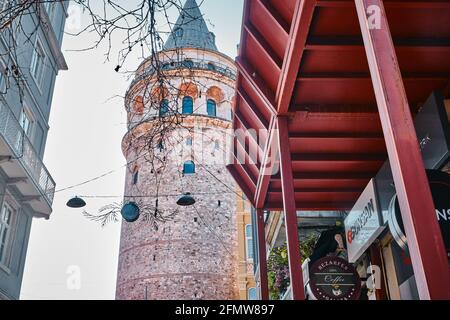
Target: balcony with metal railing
[(23, 166), (188, 64)]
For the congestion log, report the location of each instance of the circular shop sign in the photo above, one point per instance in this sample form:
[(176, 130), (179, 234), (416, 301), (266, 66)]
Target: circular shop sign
[(333, 278), (440, 190)]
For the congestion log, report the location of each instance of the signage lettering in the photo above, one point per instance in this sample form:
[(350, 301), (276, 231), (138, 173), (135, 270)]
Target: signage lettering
[(363, 223), (440, 190), (333, 278)]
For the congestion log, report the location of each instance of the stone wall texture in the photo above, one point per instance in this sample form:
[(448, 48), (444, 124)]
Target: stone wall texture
[(193, 255)]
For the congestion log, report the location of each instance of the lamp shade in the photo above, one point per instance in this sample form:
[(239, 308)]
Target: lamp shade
[(130, 212), (186, 200), (76, 203)]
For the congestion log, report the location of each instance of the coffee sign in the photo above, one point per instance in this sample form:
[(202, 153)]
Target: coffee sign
[(333, 278), (363, 224)]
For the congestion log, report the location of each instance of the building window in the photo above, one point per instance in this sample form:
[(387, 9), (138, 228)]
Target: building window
[(189, 167), (164, 108), (2, 80), (178, 32), (216, 145), (160, 146), (188, 105), (211, 108), (26, 122), (7, 216), (188, 64), (50, 7), (189, 141), (252, 294), (249, 241), (139, 105), (38, 62), (166, 66), (135, 175), (211, 66)]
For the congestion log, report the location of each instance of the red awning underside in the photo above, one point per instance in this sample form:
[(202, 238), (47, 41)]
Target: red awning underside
[(308, 62)]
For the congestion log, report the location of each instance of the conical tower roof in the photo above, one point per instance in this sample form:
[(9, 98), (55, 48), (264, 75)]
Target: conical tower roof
[(190, 30)]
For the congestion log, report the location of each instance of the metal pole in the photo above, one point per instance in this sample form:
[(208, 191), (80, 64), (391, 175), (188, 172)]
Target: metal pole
[(416, 203), (264, 283), (290, 211)]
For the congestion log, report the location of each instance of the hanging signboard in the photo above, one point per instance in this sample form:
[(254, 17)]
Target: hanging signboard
[(363, 224), (440, 190), (333, 278), (433, 132)]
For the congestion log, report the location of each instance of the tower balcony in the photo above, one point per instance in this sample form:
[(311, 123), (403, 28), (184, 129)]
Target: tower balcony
[(188, 64), (23, 167)]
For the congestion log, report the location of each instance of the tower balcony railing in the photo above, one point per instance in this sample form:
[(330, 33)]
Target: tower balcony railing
[(22, 164), (190, 64)]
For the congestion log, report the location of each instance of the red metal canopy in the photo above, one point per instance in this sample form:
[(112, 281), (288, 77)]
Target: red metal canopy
[(306, 60), (327, 85)]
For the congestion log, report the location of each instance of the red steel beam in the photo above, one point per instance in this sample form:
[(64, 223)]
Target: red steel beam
[(263, 45), (264, 283), (290, 211), (266, 171), (425, 242), (259, 86), (297, 40)]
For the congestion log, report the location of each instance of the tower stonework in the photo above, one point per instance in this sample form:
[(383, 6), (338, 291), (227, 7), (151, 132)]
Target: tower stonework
[(192, 255)]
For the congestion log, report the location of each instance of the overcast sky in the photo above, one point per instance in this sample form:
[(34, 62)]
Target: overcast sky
[(86, 128)]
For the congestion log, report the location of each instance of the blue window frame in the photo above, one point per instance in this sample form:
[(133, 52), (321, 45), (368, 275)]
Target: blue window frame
[(178, 32), (188, 105), (211, 66), (160, 146), (188, 64), (249, 241), (252, 294), (189, 167), (164, 108), (135, 175), (189, 141), (211, 108)]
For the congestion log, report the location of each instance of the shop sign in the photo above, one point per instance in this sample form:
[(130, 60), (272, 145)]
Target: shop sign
[(433, 131), (333, 278), (363, 224), (440, 190)]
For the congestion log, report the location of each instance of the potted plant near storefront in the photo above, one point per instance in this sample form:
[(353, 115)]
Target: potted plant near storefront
[(278, 267)]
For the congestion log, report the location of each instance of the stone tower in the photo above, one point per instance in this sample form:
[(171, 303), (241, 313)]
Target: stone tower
[(192, 255)]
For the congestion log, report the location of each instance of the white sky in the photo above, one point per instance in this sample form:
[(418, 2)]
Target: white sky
[(86, 129)]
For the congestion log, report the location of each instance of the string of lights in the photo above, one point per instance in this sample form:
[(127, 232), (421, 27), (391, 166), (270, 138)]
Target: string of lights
[(152, 196), (148, 196)]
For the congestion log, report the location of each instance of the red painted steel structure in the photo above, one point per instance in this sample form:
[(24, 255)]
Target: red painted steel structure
[(264, 286), (306, 61), (290, 210), (430, 269)]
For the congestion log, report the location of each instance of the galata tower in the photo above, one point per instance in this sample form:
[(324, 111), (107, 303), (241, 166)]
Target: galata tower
[(179, 110)]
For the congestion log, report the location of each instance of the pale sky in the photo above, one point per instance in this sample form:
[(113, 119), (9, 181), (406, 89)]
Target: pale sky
[(86, 128)]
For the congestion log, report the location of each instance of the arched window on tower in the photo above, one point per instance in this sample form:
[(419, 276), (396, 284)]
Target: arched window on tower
[(188, 64), (211, 107), (189, 167), (138, 106), (135, 175), (188, 105), (211, 66), (178, 32), (164, 108)]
